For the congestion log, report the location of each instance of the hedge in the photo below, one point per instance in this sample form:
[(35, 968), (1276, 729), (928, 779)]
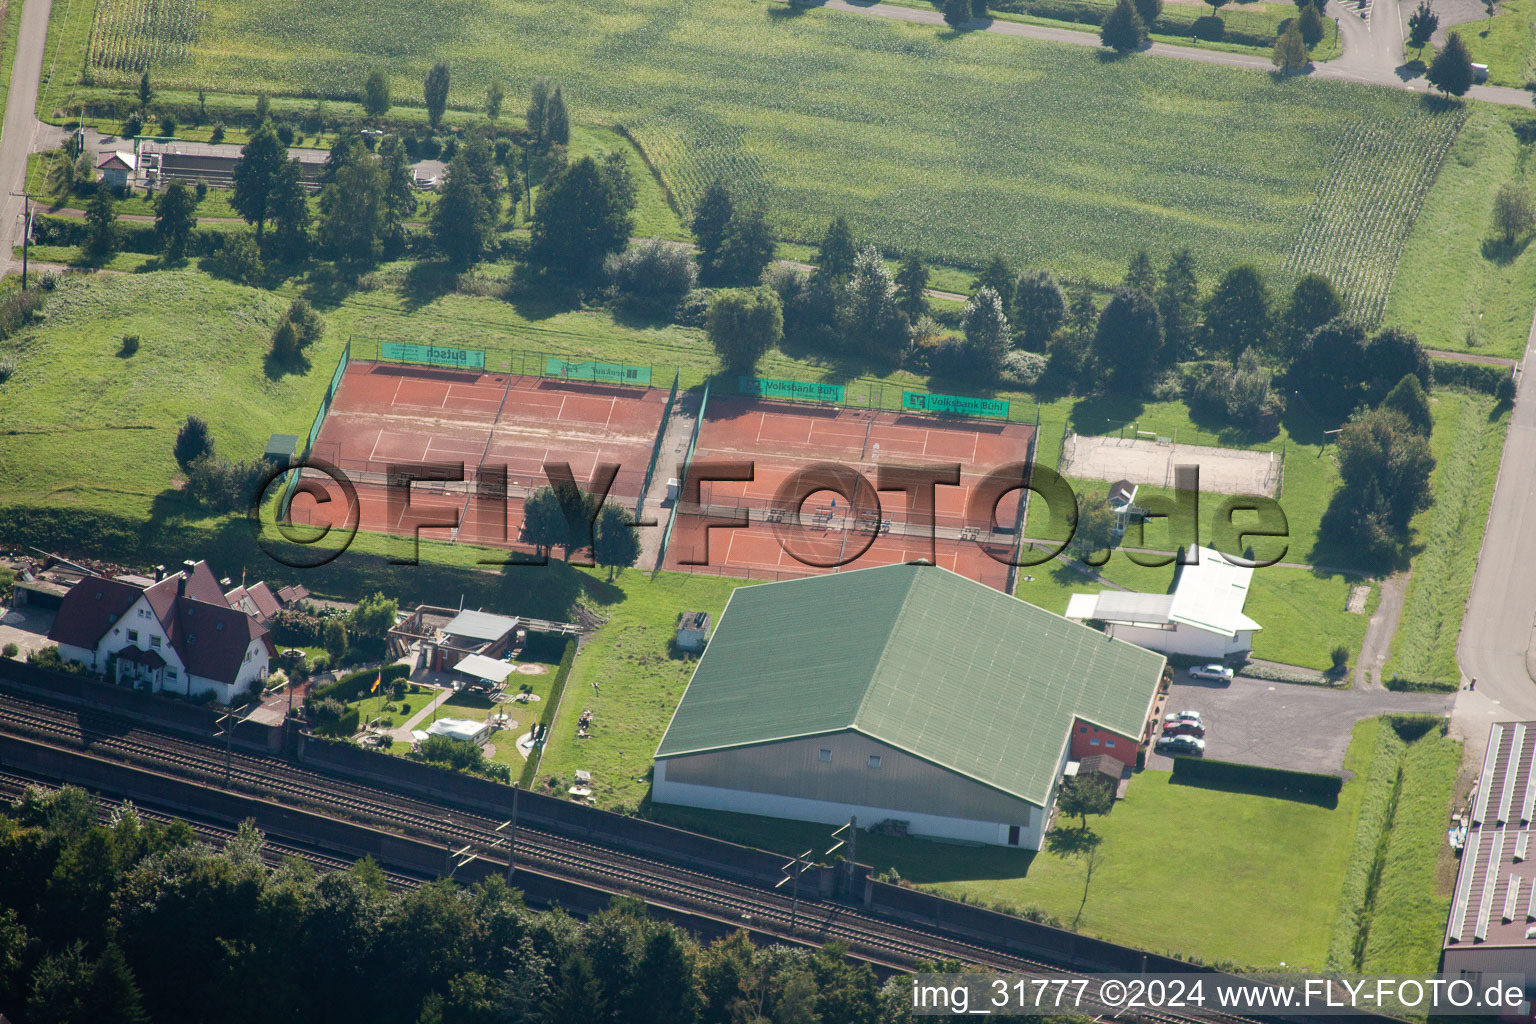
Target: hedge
[(1498, 381), (354, 684), (1092, 12), (133, 236), (551, 705), (1308, 786)]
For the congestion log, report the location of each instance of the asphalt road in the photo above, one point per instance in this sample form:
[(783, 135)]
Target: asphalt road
[(20, 134)]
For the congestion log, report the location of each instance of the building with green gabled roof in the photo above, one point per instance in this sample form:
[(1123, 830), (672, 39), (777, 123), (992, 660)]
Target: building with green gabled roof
[(900, 693)]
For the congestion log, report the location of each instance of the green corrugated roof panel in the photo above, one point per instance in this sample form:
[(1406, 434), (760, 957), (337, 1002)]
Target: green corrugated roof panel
[(917, 657)]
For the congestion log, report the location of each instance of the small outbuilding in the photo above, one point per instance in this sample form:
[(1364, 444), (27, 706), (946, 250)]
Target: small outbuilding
[(464, 730), (116, 170)]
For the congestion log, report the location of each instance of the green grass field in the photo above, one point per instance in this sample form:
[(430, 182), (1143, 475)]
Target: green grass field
[(1259, 859), (898, 126), (1467, 443), (1457, 287), (1507, 43)]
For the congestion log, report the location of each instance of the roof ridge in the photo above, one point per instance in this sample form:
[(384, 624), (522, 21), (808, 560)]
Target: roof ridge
[(896, 621)]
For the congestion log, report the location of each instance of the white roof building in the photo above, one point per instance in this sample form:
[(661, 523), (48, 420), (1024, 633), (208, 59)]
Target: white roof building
[(478, 666), (464, 729), (1202, 618)]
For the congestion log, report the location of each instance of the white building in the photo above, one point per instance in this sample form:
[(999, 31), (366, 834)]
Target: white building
[(464, 730), (116, 169), (1202, 618), (178, 635)]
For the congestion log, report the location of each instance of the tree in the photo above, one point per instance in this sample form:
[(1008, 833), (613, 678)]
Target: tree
[(870, 318), (1313, 302), (579, 221), (836, 255), (101, 235), (174, 220), (1311, 24), (1216, 6), (1178, 300), (146, 91), (263, 106), (615, 544), (495, 96), (1451, 70), (998, 276), (1085, 794), (308, 325), (978, 8), (557, 122), (1149, 11), (435, 90), (544, 523), (742, 325), (1385, 466), (746, 250), (652, 277), (399, 189), (348, 149), (711, 217), (1128, 340), (1330, 367), (335, 641), (352, 214), (1290, 51), (463, 218), (537, 102), (1421, 25), (1237, 313), (911, 287), (1409, 399), (1122, 29), (1039, 306), (288, 207), (1141, 275), (1389, 356), (255, 174), (957, 12), (373, 617), (376, 94), (1513, 213), (192, 441), (240, 261), (987, 338)]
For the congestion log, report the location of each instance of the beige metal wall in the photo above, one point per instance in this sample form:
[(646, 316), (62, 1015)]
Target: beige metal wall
[(793, 768)]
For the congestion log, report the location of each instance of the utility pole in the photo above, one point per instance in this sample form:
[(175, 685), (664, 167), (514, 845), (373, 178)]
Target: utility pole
[(26, 235), (794, 877), (226, 723), (510, 835)]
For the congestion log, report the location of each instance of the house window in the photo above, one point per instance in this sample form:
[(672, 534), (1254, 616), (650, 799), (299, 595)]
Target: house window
[(133, 635), (170, 673), (154, 641), (1093, 742), (823, 754), (874, 760), (1082, 728), (1109, 743), (1013, 835)]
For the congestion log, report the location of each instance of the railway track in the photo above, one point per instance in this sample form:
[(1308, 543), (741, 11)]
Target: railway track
[(872, 938)]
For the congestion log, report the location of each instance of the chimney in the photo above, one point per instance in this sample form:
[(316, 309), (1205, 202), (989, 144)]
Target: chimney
[(181, 584)]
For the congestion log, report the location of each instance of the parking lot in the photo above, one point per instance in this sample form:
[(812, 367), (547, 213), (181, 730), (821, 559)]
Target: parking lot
[(1284, 725)]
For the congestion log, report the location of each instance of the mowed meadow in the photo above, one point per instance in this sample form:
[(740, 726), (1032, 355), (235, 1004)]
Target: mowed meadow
[(958, 146)]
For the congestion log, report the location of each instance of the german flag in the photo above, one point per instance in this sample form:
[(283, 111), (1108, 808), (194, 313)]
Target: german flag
[(377, 683)]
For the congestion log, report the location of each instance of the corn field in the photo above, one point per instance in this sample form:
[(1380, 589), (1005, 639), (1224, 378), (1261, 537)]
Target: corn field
[(693, 149), (131, 36), (1356, 228)]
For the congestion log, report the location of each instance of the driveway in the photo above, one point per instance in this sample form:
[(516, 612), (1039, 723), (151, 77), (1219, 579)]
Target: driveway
[(1285, 725), (27, 628)]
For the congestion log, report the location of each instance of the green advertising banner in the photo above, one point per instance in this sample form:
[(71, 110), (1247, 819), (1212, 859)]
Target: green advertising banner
[(955, 405), (764, 387), (605, 373), (432, 355)]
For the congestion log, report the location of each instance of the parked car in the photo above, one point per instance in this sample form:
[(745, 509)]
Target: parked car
[(1187, 745), (1219, 673), (1184, 716), (1183, 727)]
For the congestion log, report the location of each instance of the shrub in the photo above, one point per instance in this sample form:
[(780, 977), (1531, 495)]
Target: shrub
[(49, 281), (223, 485), (168, 124), (217, 135), (9, 651), (192, 441), (1023, 369), (240, 261), (654, 277), (1340, 657)]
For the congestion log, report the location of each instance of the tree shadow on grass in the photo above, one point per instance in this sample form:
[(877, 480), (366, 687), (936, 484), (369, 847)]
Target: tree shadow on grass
[(1503, 253), (427, 281), (328, 285), (1096, 414), (1071, 840)]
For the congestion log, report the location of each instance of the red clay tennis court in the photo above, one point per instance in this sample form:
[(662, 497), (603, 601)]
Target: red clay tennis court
[(780, 439), (387, 414)]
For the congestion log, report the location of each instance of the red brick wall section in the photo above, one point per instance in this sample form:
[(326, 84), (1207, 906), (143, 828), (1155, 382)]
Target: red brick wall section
[(1088, 740)]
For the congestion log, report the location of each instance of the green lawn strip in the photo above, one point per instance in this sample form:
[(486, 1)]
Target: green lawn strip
[(74, 256), (69, 29), (783, 103), (1507, 43), (1414, 893), (1383, 748), (1467, 443), (630, 678), (1259, 859), (1457, 287), (10, 29)]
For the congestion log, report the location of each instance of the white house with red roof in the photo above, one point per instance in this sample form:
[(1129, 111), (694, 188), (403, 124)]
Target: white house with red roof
[(179, 634)]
